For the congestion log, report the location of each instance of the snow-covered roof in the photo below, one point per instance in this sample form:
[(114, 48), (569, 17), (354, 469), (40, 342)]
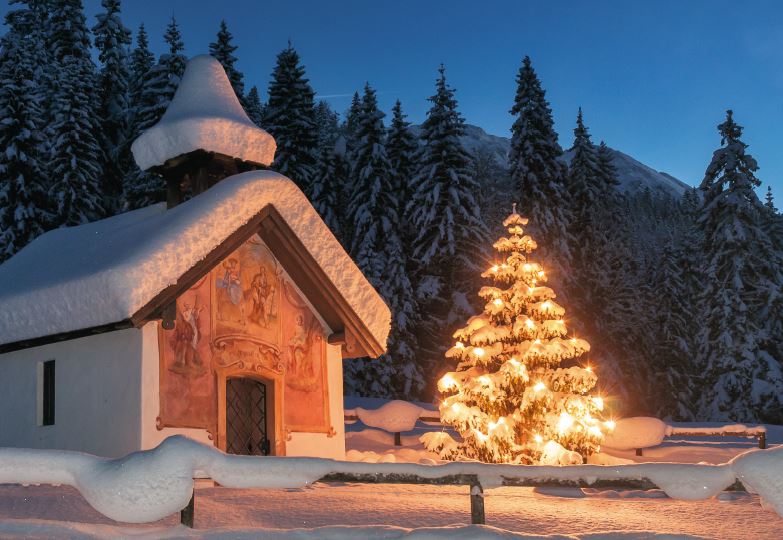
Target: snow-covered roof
[(205, 114), (103, 272)]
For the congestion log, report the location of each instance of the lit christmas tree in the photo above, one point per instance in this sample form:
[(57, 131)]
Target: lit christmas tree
[(509, 399)]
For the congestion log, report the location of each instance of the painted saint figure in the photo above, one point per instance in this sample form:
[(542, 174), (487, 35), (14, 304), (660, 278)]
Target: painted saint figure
[(230, 298), (185, 339), (261, 294)]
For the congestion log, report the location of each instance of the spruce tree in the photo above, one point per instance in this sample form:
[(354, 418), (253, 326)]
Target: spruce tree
[(444, 211), (75, 152), (509, 399), (223, 51), (378, 251), (290, 119), (112, 39), (23, 205), (333, 173), (253, 106), (741, 297), (537, 170), (143, 188), (401, 148)]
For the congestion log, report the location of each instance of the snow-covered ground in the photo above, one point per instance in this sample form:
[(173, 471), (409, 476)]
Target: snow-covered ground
[(422, 511)]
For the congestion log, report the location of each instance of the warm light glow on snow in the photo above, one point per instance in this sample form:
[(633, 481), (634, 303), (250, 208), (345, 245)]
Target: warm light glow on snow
[(498, 302), (546, 305), (448, 382), (530, 324), (460, 345), (595, 431), (565, 422), (599, 403), (538, 438), (539, 386), (478, 351)]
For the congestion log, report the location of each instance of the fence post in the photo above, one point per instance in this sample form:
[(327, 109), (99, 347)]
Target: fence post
[(638, 451), (477, 516), (187, 515), (763, 440), (397, 439)]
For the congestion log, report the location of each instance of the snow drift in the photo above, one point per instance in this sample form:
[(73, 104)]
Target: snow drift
[(149, 485)]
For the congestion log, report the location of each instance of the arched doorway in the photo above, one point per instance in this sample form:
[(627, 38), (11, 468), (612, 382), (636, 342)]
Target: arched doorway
[(247, 417)]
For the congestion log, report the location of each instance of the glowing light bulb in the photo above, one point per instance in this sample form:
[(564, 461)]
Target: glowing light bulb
[(494, 268), (498, 302), (485, 380), (588, 369), (599, 403), (573, 340), (538, 438), (546, 305), (514, 362), (610, 424), (478, 351), (595, 431), (539, 386), (530, 290), (565, 422), (460, 345), (447, 381), (560, 321), (526, 267), (455, 407), (540, 273), (530, 324), (537, 342)]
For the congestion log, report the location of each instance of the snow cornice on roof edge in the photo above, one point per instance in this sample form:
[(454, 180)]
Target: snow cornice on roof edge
[(205, 114), (106, 272)]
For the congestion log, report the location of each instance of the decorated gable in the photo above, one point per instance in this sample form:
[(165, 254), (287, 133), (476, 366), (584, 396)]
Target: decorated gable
[(244, 319)]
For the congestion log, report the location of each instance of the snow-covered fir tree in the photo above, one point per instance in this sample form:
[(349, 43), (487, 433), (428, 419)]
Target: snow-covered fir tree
[(142, 188), (509, 398), (75, 151), (444, 211), (112, 39), (290, 118), (351, 126), (141, 62), (401, 147), (537, 170), (253, 106), (327, 190), (377, 249), (742, 294), (23, 200), (222, 49)]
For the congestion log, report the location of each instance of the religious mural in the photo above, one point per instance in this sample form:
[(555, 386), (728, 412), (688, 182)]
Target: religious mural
[(245, 313)]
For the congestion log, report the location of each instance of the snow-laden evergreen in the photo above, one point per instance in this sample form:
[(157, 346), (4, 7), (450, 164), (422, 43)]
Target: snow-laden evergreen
[(537, 170), (334, 172), (401, 147), (509, 399), (290, 118), (742, 293), (23, 200), (75, 152), (377, 249), (444, 211), (223, 50), (254, 107), (113, 39), (160, 84)]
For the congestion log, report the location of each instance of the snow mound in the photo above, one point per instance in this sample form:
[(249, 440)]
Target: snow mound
[(149, 485), (555, 454), (638, 432), (205, 114), (103, 272), (395, 416), (761, 472)]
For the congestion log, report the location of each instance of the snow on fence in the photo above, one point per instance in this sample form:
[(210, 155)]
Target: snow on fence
[(149, 485), (634, 433)]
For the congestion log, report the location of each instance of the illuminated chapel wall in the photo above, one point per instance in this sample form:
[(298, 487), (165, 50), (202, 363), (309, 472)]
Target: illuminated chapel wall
[(246, 313)]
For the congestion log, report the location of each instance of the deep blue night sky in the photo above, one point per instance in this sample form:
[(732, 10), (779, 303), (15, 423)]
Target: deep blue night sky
[(654, 78)]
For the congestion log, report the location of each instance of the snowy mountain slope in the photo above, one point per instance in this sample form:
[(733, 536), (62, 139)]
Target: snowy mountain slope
[(634, 175)]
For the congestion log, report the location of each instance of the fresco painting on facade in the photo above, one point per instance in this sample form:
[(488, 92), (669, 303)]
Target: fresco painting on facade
[(244, 315), (187, 382)]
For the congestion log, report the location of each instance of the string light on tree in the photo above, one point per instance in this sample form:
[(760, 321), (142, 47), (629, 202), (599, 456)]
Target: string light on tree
[(509, 398)]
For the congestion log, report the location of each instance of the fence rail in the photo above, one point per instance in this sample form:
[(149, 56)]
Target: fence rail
[(477, 511)]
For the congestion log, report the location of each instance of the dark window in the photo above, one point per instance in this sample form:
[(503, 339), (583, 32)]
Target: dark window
[(48, 393)]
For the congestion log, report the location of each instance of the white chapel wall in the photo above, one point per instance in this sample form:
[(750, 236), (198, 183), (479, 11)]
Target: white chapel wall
[(318, 444), (97, 387)]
